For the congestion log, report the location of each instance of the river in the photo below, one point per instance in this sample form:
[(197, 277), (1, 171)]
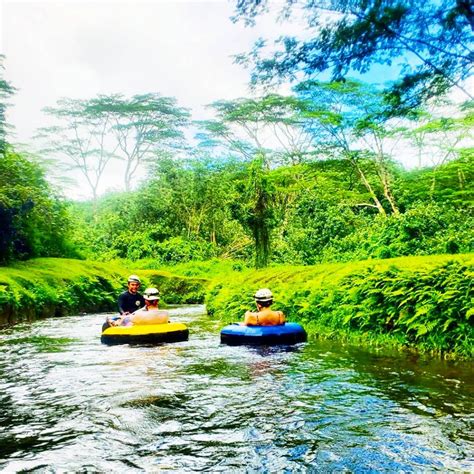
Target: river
[(70, 404)]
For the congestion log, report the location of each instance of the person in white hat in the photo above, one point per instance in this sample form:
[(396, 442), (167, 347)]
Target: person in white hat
[(150, 314), (264, 316), (128, 302)]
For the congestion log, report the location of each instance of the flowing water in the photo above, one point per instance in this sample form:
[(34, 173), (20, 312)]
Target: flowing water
[(70, 404)]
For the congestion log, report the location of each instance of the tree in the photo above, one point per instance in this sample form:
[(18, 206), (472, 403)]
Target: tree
[(432, 40), (6, 91), (193, 197), (141, 126), (339, 115), (448, 184), (443, 138), (34, 222), (268, 126), (255, 209), (81, 138)]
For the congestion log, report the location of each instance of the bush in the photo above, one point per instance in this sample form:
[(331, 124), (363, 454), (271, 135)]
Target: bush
[(34, 222), (425, 229)]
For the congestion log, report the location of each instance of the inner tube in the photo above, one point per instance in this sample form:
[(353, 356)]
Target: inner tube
[(145, 334), (287, 333)]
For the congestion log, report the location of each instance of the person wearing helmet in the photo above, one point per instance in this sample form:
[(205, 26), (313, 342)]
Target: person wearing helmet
[(128, 302), (264, 316), (150, 314)]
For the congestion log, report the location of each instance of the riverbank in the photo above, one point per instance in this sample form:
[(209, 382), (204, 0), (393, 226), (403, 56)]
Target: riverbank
[(46, 287), (424, 303)]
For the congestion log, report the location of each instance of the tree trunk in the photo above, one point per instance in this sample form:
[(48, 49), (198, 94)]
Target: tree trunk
[(387, 191), (369, 188)]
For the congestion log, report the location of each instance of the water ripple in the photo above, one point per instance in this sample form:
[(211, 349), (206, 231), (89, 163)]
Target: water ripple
[(70, 404)]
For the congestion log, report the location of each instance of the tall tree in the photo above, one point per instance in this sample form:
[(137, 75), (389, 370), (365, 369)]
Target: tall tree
[(268, 126), (432, 40), (258, 209), (81, 138), (142, 125), (339, 115), (443, 138)]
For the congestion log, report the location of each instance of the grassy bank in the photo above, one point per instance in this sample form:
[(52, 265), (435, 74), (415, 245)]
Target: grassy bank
[(420, 302), (47, 287)]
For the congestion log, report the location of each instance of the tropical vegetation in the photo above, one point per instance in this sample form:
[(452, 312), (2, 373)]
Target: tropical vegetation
[(296, 186)]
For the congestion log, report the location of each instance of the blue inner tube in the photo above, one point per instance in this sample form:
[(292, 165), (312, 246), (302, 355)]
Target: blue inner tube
[(288, 333)]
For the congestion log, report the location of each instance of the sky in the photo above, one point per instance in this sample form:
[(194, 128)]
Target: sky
[(77, 49)]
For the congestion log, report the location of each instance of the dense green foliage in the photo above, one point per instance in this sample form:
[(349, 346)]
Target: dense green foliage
[(194, 212), (412, 301), (54, 287), (34, 221)]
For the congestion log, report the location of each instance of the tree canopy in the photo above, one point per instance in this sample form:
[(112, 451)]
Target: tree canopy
[(431, 41)]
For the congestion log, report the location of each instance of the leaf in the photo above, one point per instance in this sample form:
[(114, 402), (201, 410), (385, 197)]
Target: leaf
[(422, 330)]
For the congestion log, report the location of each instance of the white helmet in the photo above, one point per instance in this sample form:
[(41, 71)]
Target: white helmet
[(151, 294), (133, 278), (263, 295)]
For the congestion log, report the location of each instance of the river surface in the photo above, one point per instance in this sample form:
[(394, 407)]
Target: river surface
[(70, 404)]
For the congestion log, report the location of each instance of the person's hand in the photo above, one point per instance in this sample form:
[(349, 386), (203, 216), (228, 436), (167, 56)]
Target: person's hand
[(115, 321)]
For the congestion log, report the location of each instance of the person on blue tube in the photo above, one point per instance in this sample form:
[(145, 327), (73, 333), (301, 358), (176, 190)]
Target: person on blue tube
[(264, 316)]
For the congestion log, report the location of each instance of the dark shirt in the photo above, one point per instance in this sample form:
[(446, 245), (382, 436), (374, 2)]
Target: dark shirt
[(128, 303)]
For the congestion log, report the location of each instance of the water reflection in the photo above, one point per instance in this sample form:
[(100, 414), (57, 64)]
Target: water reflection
[(68, 403)]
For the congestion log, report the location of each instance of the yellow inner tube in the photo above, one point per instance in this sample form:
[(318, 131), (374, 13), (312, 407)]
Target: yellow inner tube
[(144, 329)]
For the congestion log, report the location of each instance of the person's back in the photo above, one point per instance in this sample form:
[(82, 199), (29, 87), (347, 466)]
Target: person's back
[(153, 316), (150, 314), (265, 316)]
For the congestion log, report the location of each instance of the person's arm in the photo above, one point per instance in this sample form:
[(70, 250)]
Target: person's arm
[(114, 320), (281, 318)]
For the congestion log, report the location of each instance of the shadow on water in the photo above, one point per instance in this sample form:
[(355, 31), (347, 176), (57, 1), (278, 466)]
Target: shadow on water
[(445, 387), (170, 402)]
